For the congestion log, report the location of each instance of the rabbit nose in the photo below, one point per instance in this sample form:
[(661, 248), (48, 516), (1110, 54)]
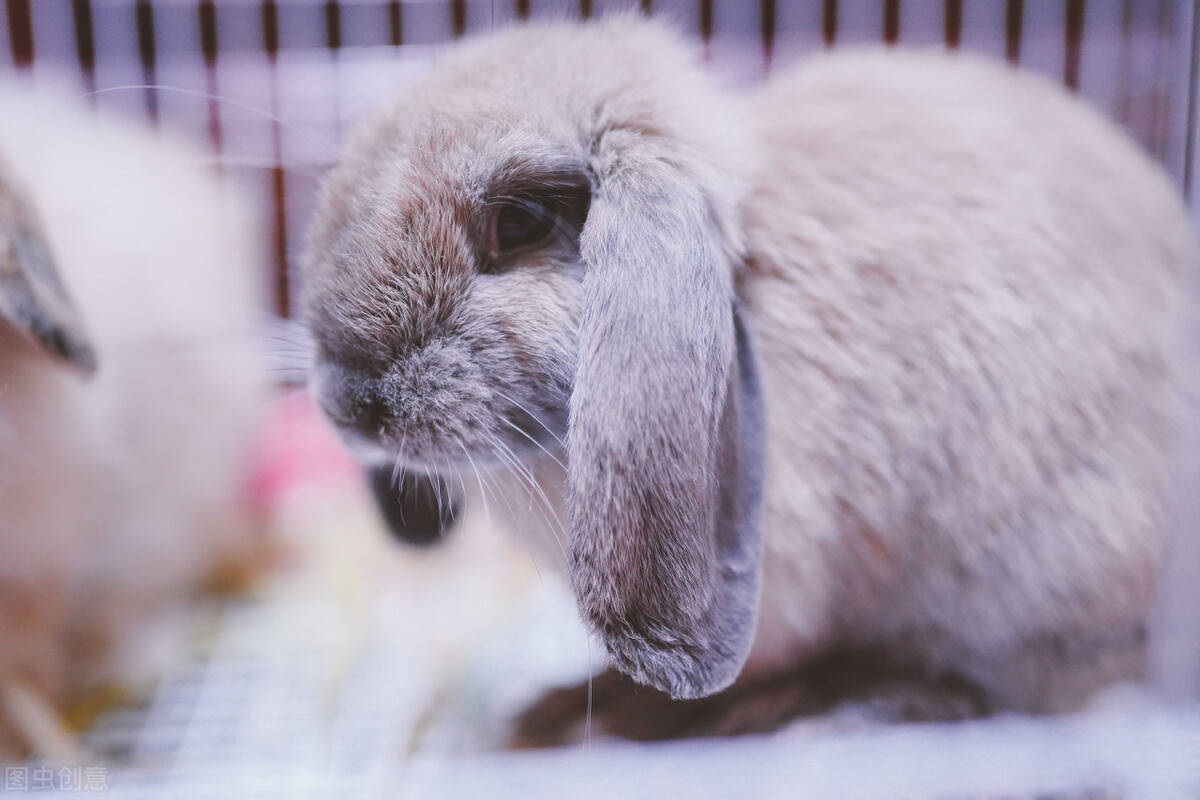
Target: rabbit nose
[(368, 415), (351, 399)]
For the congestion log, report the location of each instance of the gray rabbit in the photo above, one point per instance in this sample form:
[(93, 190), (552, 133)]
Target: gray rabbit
[(874, 370)]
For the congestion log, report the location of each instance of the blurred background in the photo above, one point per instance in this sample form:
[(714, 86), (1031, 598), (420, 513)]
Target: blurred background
[(343, 665), (271, 87)]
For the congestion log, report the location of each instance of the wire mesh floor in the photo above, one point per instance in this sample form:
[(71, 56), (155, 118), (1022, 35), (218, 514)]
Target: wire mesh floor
[(364, 671), (350, 661)]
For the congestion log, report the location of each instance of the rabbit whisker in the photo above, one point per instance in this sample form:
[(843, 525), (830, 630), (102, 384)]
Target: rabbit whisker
[(528, 479), (538, 444), (526, 547), (396, 468), (457, 473), (158, 87), (497, 489), (532, 416), (259, 163), (437, 494), (527, 483), (478, 477)]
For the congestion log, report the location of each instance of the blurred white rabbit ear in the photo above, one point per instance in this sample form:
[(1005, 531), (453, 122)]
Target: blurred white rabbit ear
[(32, 297)]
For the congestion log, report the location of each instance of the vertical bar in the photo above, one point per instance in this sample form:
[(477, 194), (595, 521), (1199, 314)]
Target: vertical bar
[(1189, 151), (891, 21), (270, 28), (206, 13), (1162, 95), (585, 8), (647, 7), (333, 25), (333, 40), (521, 7), (395, 23), (279, 193), (20, 32), (1125, 58), (1179, 31), (1074, 39), (706, 20), (85, 42), (1013, 13), (954, 18), (829, 22), (458, 17), (144, 20), (767, 10)]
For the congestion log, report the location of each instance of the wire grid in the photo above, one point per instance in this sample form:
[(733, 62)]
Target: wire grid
[(272, 85), (242, 725), (340, 673), (308, 693), (253, 706)]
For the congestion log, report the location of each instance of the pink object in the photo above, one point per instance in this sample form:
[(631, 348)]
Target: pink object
[(297, 448)]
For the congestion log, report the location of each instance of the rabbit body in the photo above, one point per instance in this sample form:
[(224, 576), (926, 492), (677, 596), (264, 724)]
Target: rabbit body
[(127, 491), (966, 288), (964, 292)]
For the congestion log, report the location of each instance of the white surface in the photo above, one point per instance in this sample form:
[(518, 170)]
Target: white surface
[(368, 671)]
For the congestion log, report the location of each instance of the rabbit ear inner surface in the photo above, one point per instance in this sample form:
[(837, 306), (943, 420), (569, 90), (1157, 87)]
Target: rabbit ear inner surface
[(665, 441)]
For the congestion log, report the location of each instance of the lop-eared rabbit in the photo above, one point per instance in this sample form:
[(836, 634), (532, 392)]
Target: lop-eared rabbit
[(130, 393), (857, 385)]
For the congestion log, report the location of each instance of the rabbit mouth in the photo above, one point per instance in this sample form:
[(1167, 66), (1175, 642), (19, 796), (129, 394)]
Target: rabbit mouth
[(520, 435), (488, 425), (517, 436)]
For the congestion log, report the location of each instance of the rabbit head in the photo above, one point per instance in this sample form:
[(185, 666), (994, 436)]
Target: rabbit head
[(538, 245), (33, 301)]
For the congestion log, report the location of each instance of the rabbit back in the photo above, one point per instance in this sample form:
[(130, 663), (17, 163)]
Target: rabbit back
[(965, 288)]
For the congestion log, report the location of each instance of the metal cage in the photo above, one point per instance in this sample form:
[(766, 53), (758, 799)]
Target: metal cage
[(271, 85)]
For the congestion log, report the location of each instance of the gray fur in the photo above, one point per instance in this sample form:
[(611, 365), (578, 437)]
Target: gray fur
[(32, 296), (961, 288), (629, 331), (663, 488)]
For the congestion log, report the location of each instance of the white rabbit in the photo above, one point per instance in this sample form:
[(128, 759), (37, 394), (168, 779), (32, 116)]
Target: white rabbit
[(126, 490), (947, 289)]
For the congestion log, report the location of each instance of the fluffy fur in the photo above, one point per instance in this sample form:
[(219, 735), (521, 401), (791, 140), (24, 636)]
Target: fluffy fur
[(961, 286), (126, 490)]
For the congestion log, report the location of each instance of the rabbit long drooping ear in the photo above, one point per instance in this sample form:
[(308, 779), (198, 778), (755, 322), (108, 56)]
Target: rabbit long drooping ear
[(666, 431), (32, 296)]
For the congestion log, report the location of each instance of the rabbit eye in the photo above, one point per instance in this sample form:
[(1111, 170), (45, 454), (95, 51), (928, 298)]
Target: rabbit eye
[(533, 217), (520, 226)]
